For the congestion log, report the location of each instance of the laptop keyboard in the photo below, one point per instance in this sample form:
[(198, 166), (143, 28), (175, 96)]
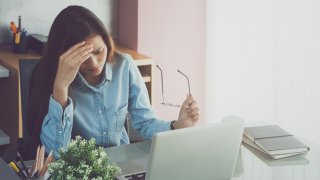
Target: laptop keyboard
[(137, 176)]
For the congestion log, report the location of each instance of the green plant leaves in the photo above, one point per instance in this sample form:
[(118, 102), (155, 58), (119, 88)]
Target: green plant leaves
[(83, 160)]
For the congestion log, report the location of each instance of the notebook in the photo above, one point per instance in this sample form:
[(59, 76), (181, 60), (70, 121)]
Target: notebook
[(273, 140), (297, 160), (275, 156)]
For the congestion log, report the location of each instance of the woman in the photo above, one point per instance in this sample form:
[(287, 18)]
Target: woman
[(83, 86)]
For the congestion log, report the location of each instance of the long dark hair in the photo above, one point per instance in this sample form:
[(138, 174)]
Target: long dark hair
[(72, 25)]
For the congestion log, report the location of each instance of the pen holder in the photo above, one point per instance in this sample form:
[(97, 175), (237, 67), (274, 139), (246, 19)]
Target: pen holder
[(20, 43), (37, 178), (46, 176)]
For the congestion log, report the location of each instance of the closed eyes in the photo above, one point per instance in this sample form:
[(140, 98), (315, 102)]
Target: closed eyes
[(98, 51)]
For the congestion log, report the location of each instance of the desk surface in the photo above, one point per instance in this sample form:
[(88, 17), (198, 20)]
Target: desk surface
[(252, 165), (6, 172)]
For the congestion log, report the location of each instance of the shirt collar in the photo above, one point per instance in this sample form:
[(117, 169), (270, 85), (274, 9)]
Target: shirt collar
[(108, 71), (107, 75)]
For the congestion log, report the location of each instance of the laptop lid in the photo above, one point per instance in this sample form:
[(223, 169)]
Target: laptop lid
[(204, 152)]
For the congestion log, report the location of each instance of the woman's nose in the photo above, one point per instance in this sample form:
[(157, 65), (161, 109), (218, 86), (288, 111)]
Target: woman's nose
[(91, 62)]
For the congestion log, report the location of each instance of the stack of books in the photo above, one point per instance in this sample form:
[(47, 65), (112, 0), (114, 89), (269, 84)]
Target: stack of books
[(273, 141)]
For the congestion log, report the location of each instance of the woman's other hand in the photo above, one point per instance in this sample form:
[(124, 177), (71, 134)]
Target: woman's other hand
[(189, 114), (69, 64)]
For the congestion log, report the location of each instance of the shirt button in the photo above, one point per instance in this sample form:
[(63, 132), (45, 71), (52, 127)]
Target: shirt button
[(99, 111), (104, 133), (60, 132)]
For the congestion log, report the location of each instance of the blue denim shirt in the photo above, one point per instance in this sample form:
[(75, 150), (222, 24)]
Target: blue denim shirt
[(99, 112)]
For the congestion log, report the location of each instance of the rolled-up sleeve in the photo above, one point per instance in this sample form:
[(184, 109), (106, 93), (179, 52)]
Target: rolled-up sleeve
[(143, 117), (57, 126)]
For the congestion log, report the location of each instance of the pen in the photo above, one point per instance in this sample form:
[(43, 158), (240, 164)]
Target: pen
[(17, 39), (20, 169), (19, 23), (22, 162), (13, 27), (24, 32), (15, 168)]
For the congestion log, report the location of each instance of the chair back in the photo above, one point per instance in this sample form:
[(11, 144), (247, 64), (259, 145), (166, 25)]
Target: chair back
[(27, 146)]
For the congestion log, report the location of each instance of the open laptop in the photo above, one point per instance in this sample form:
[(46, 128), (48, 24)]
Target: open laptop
[(204, 152)]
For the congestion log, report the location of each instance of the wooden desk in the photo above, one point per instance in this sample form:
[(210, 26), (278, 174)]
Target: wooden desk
[(10, 101)]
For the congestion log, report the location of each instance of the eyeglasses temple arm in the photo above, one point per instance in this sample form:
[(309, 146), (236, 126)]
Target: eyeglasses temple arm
[(187, 79), (161, 83)]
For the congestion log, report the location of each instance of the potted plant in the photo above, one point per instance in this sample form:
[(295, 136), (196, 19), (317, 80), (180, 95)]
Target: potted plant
[(83, 160)]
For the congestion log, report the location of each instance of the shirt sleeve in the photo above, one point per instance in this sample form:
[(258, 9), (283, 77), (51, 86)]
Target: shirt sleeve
[(57, 126), (143, 117)]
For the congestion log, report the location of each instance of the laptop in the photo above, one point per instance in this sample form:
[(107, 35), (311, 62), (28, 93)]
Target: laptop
[(204, 152)]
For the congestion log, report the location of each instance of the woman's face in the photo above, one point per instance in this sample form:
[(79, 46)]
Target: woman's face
[(93, 66)]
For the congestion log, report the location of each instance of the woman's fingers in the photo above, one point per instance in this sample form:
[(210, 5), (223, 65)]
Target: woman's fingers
[(195, 117), (77, 57), (194, 111), (185, 102), (75, 53), (80, 52), (194, 114), (84, 58), (73, 48), (193, 104), (83, 55)]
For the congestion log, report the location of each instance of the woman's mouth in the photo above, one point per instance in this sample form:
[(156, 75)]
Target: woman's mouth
[(95, 68)]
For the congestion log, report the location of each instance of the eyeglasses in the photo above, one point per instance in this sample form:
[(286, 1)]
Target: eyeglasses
[(163, 100)]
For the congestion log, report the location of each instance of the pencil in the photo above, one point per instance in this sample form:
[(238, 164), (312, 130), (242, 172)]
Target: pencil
[(39, 165), (45, 165), (41, 157), (37, 159), (32, 169)]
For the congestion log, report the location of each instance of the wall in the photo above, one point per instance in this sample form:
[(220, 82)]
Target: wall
[(264, 61), (38, 15), (128, 23), (173, 34)]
